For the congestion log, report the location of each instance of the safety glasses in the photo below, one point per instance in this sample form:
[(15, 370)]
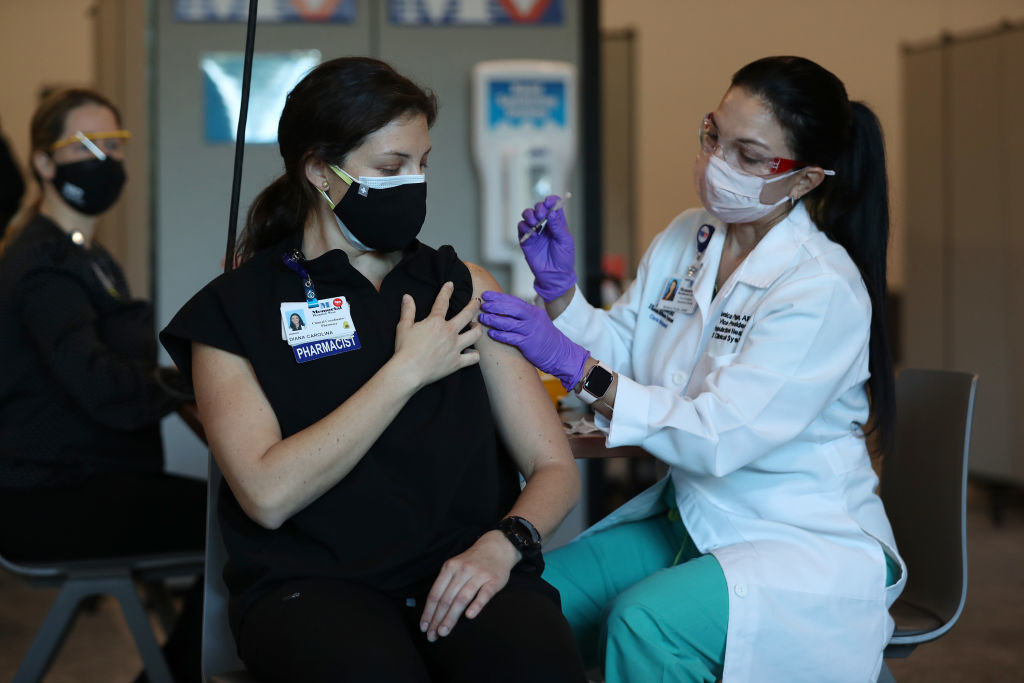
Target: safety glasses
[(99, 144), (741, 156)]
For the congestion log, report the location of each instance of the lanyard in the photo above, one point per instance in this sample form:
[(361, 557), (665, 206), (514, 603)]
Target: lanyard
[(108, 284), (293, 260), (703, 240)]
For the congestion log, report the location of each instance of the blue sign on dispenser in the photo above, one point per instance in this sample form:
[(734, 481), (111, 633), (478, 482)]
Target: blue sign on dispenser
[(519, 102)]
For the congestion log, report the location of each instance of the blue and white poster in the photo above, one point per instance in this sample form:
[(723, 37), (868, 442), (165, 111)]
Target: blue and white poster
[(268, 11), (531, 102), (475, 12), (274, 74)]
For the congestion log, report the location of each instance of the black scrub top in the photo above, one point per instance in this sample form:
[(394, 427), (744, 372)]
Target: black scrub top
[(434, 481)]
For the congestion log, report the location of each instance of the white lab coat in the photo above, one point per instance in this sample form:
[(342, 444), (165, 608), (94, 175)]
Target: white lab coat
[(754, 401)]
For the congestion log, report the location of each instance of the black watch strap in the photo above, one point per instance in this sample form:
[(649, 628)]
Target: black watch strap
[(521, 534)]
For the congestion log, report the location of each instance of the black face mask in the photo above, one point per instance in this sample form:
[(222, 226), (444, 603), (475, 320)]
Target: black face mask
[(90, 186), (384, 219)]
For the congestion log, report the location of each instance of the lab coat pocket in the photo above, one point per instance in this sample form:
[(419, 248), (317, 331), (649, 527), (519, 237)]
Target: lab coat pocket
[(719, 361), (706, 371)]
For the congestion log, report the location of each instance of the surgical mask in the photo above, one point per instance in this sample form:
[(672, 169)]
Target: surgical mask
[(730, 195), (90, 186), (381, 214)]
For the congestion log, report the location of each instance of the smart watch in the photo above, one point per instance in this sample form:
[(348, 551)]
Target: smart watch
[(523, 535), (596, 383)]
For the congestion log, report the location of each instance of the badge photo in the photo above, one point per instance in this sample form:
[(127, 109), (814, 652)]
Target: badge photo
[(676, 294)]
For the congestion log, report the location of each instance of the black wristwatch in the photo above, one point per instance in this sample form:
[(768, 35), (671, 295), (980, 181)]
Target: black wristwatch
[(523, 535), (596, 383)]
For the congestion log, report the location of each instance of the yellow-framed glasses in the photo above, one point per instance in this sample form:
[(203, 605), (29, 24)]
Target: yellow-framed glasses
[(100, 144)]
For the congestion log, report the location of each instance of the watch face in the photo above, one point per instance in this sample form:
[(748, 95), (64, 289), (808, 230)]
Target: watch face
[(524, 532), (598, 381), (521, 534)]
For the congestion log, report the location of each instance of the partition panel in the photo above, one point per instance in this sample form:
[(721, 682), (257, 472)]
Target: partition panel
[(1011, 171), (977, 324), (923, 308), (965, 256)]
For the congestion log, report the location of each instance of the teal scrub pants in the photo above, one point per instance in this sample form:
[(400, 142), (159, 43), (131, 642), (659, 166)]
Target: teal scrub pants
[(643, 602)]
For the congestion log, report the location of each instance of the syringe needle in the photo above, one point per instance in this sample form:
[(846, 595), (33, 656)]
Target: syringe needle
[(542, 224)]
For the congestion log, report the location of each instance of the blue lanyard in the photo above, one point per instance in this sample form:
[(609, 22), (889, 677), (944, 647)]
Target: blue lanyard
[(294, 260)]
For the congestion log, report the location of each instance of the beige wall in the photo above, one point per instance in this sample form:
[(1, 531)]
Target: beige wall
[(687, 51), (685, 54), (92, 43), (42, 43)]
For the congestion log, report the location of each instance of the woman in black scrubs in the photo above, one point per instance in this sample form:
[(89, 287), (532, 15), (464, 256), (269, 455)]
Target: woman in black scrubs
[(373, 517), (81, 459)]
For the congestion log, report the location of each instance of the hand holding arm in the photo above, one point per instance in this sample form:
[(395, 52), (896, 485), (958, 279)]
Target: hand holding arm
[(529, 329), (434, 347)]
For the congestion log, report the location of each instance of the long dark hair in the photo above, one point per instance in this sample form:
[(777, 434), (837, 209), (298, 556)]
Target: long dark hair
[(47, 128), (327, 115), (825, 128)]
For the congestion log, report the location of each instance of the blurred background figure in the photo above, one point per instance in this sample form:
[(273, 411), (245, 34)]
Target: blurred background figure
[(81, 396), (12, 185)]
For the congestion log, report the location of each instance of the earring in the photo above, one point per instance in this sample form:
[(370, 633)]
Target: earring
[(326, 186), (792, 202)]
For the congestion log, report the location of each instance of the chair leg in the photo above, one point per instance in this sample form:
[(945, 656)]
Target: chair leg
[(158, 599), (52, 632), (61, 616), (138, 622), (885, 676)]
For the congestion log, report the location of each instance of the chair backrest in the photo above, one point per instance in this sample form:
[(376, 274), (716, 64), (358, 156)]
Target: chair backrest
[(219, 653), (924, 487), (31, 571)]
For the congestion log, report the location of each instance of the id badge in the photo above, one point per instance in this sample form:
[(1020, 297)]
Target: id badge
[(677, 295), (326, 330)]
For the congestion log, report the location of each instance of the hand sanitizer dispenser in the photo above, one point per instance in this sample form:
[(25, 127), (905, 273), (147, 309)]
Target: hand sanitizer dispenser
[(524, 145)]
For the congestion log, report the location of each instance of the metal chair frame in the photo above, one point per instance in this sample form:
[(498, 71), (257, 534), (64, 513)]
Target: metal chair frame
[(924, 489), (81, 579)]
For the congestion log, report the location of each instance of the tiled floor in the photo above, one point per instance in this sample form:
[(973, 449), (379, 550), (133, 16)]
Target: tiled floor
[(986, 646)]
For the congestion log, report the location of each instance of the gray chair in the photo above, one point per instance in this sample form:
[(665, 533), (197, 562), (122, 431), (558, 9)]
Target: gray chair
[(220, 659), (924, 488), (81, 579)]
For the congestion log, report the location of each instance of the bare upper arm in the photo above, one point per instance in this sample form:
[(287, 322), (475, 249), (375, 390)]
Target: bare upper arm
[(522, 408), (239, 421)]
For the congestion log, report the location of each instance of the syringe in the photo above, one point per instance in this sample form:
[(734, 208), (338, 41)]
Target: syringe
[(543, 224)]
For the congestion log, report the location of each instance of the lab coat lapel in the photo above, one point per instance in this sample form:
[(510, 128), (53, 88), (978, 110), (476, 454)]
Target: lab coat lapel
[(775, 252)]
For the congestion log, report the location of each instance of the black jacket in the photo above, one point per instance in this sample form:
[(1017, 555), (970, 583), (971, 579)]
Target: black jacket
[(78, 389), (12, 185)]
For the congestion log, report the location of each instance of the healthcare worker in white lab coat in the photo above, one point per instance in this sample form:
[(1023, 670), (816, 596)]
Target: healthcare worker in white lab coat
[(765, 554)]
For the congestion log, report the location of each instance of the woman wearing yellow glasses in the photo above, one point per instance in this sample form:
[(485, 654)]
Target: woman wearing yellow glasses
[(81, 461)]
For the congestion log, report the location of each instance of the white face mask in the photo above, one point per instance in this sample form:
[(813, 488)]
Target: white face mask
[(730, 195)]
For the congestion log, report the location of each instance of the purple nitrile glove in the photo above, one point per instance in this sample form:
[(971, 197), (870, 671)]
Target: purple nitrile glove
[(529, 329), (550, 253)]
